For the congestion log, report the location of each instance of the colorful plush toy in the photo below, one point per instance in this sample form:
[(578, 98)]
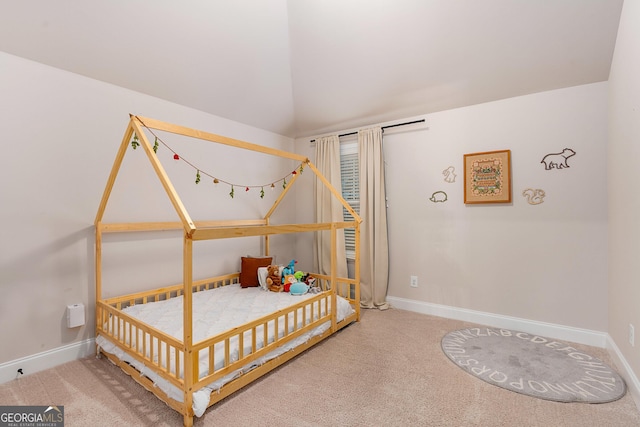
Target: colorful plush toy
[(289, 269), (298, 288), (289, 280), (313, 284), (274, 281)]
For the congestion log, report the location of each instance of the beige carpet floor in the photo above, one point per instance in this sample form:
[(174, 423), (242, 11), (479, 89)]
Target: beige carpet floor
[(387, 370)]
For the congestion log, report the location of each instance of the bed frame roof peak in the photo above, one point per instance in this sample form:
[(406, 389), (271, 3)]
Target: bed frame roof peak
[(136, 125)]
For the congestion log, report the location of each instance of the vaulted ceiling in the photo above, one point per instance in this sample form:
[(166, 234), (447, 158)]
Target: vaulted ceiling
[(306, 67)]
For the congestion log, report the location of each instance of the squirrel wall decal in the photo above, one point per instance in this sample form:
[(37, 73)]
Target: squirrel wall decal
[(534, 196)]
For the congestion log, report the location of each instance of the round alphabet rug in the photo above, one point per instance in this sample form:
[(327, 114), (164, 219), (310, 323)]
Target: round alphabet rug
[(533, 365)]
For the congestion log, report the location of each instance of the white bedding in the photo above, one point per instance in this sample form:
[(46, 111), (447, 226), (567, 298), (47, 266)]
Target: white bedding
[(216, 311)]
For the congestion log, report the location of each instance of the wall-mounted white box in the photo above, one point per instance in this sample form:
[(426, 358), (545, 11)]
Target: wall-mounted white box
[(75, 315)]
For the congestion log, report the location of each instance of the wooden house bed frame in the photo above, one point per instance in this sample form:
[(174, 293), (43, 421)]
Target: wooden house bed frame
[(118, 327)]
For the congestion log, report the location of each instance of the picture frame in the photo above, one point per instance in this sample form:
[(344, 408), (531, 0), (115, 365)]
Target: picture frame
[(487, 177)]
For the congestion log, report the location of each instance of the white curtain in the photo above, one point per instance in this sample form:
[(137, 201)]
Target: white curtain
[(374, 247), (328, 208)]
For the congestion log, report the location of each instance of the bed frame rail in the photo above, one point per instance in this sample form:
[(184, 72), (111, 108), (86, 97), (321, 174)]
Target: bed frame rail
[(158, 351), (162, 294), (256, 339), (224, 353), (345, 287)]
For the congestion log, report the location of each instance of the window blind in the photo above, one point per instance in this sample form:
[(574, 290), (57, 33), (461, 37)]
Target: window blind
[(350, 180)]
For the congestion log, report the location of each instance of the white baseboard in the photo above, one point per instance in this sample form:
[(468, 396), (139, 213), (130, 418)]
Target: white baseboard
[(625, 371), (47, 359), (566, 333), (561, 332)]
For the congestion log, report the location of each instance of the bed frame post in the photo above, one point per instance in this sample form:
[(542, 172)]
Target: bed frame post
[(356, 275), (267, 242), (98, 277), (188, 329), (334, 278)]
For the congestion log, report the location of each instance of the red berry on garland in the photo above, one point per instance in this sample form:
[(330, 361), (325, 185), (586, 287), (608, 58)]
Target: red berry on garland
[(176, 157), (246, 189), (294, 173)]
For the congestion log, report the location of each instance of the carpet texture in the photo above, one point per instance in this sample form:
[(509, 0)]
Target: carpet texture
[(533, 365), (386, 371)]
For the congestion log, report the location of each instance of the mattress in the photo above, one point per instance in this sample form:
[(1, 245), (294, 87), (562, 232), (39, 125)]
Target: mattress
[(216, 311)]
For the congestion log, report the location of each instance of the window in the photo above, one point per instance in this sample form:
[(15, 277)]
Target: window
[(350, 173)]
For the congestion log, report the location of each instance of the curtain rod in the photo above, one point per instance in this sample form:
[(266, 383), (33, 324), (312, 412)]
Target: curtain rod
[(383, 128)]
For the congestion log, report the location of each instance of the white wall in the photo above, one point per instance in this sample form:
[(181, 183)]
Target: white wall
[(545, 263), (624, 197), (60, 133)]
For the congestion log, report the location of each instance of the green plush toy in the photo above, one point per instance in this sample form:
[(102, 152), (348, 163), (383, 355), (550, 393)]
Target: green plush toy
[(298, 275)]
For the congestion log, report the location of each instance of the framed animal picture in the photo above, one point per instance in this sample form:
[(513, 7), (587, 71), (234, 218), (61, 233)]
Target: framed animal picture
[(487, 177)]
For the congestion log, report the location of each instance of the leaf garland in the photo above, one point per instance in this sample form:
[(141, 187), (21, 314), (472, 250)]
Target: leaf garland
[(135, 143)]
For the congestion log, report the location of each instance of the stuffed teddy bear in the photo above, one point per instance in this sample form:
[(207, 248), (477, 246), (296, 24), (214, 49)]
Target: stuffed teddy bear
[(274, 283)]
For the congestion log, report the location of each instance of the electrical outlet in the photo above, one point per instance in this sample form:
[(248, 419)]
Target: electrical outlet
[(631, 335), (414, 282)]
